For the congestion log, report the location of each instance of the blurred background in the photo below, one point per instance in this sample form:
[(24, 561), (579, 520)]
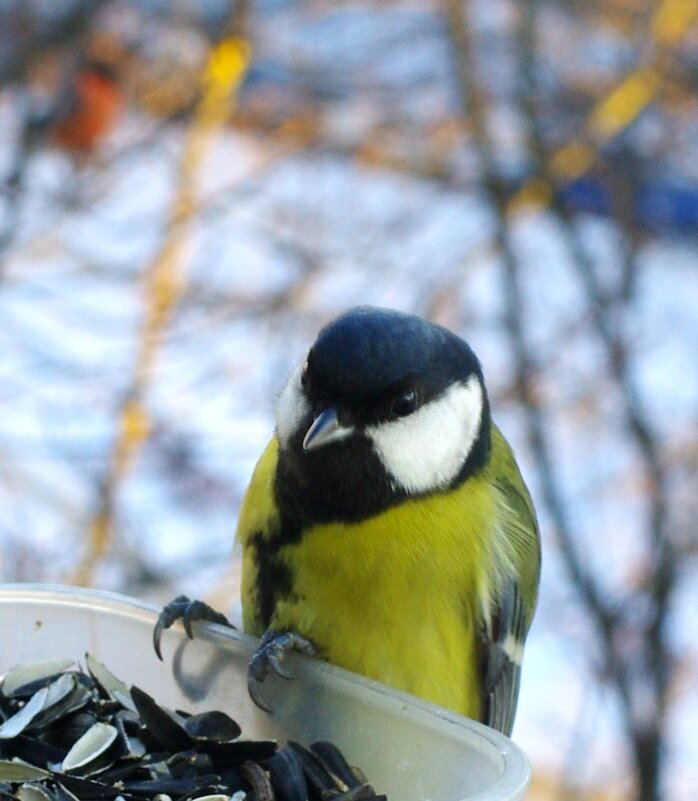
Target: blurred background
[(189, 190)]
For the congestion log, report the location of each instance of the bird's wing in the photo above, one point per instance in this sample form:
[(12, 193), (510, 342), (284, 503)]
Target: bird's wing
[(511, 607), (502, 651)]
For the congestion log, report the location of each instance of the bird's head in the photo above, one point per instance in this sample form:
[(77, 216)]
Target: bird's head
[(387, 406)]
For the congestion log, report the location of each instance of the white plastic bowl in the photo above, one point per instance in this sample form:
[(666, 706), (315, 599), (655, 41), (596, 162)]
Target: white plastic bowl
[(410, 750)]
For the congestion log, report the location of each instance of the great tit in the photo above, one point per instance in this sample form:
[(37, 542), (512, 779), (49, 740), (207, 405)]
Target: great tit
[(387, 527)]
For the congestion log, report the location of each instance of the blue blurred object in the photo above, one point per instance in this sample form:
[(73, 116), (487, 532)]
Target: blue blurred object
[(587, 194), (661, 205), (668, 206)]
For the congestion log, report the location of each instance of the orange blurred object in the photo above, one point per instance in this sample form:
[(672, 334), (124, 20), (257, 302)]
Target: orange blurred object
[(92, 111)]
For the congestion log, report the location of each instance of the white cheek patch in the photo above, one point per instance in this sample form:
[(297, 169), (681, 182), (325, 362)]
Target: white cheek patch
[(425, 450), (291, 407)]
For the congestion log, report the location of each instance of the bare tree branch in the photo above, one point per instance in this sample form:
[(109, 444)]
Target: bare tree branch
[(607, 313)]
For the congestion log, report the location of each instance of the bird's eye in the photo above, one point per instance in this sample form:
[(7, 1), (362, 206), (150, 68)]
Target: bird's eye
[(304, 376), (404, 403)]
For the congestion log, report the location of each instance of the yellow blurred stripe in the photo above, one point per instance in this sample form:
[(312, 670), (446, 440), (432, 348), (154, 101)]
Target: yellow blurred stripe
[(536, 192), (616, 111), (228, 62), (572, 160), (672, 19)]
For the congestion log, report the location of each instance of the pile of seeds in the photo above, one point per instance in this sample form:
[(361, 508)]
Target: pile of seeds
[(68, 734)]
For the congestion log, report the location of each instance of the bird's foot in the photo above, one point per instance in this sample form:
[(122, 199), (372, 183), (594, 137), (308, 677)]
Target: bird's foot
[(186, 610), (269, 656)]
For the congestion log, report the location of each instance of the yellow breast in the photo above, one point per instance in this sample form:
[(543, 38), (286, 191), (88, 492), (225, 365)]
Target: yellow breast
[(397, 597)]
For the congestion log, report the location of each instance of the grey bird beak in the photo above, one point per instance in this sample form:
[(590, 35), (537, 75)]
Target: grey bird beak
[(325, 429)]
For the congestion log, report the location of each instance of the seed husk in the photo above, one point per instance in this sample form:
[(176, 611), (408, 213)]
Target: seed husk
[(259, 781), (91, 751), (111, 687), (71, 737), (33, 791), (333, 760), (87, 789), (161, 723), (16, 771), (36, 751), (214, 726), (240, 751), (214, 797), (25, 680), (174, 787), (315, 772), (62, 705), (185, 761), (20, 720), (286, 775)]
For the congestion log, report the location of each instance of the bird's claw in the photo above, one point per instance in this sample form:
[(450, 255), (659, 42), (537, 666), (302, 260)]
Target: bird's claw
[(186, 610), (269, 656)]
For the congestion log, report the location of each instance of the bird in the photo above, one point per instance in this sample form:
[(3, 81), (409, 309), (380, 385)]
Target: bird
[(387, 528)]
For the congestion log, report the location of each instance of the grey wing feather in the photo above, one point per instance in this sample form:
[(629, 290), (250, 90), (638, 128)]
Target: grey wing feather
[(502, 665), (505, 632)]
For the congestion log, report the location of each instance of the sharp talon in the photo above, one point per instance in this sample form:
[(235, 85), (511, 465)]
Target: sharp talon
[(188, 611), (272, 648), (186, 623), (157, 635), (303, 646), (253, 688), (275, 656), (258, 667), (171, 612)]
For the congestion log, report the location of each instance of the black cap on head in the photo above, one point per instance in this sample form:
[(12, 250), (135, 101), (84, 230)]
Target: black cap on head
[(367, 350)]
